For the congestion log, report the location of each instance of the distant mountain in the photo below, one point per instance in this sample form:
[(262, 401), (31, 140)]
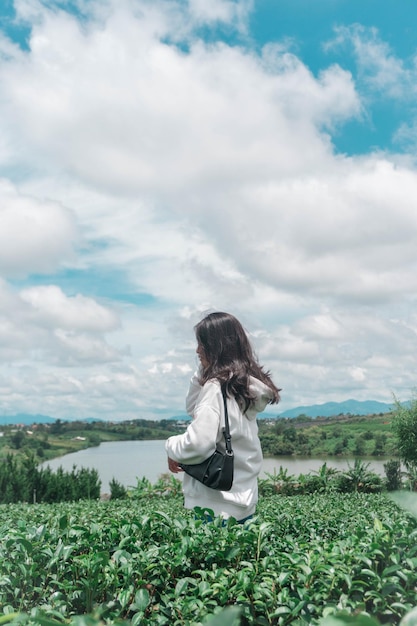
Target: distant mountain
[(27, 419), (329, 409)]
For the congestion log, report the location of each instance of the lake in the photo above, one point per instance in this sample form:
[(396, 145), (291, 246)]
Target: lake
[(126, 461)]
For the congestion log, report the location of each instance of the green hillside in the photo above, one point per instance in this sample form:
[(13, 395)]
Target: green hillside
[(348, 436)]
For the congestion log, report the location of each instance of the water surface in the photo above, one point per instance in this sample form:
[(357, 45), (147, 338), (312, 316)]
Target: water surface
[(126, 461)]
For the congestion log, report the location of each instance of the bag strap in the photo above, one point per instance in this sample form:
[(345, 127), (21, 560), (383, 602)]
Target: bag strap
[(226, 429)]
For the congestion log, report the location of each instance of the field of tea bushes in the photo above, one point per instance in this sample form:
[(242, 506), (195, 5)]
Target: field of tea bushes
[(150, 562)]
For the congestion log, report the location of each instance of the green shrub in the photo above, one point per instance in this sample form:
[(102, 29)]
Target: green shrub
[(151, 563)]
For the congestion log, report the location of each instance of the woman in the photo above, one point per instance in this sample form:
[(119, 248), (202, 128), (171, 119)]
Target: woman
[(226, 362)]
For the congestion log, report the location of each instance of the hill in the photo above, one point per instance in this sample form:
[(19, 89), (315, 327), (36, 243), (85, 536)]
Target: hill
[(28, 419), (330, 409)]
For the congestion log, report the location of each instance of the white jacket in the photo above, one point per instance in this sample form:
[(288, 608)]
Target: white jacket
[(205, 405)]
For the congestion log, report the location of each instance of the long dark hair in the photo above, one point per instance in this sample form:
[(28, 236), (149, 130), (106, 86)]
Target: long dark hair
[(229, 357)]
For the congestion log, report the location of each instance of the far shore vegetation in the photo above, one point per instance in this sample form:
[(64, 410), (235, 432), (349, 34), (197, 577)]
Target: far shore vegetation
[(349, 436), (392, 437)]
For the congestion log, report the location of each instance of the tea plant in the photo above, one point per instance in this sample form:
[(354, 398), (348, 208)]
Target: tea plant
[(150, 562)]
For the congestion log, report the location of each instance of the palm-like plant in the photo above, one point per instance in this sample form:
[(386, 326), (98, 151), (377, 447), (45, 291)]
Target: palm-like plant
[(324, 476), (411, 476), (359, 478), (280, 479)]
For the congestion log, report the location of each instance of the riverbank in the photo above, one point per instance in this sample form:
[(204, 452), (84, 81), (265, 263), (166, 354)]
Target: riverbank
[(129, 461), (339, 437)]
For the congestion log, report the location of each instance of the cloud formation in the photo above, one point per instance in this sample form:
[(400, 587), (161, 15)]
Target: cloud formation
[(378, 65), (36, 235), (203, 171)]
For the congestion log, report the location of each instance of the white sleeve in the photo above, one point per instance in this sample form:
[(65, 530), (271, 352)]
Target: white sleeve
[(193, 393), (200, 439)]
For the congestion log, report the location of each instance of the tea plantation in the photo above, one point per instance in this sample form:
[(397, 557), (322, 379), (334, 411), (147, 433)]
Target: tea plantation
[(302, 560)]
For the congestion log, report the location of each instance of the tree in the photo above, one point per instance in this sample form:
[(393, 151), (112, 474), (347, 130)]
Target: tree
[(93, 440), (368, 434), (117, 490), (17, 439), (379, 448), (302, 439), (359, 447), (405, 431), (279, 426), (57, 427), (393, 473), (29, 477), (289, 434)]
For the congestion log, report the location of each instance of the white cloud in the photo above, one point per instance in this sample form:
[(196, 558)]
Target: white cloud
[(322, 326), (205, 174), (215, 112), (406, 135), (36, 235), (8, 49), (74, 313), (42, 325), (77, 349), (228, 11), (378, 65)]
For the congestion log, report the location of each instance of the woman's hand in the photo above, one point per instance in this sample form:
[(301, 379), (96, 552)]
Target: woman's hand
[(174, 466)]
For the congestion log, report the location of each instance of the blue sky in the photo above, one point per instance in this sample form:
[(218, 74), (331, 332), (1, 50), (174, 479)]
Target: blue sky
[(310, 25), (162, 159)]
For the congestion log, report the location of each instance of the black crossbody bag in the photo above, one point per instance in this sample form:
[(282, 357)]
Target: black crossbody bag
[(216, 472)]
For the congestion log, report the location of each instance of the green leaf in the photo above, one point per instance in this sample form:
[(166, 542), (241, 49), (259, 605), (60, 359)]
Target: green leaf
[(410, 619), (369, 573), (124, 597), (81, 620), (10, 617), (181, 587), (349, 620), (20, 541), (142, 600), (204, 588), (230, 616), (283, 578), (281, 610)]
